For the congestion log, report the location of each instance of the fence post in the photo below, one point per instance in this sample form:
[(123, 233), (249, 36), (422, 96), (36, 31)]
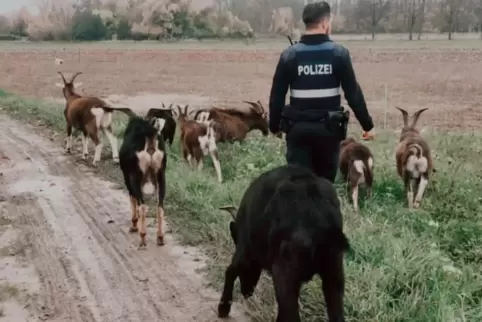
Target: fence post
[(385, 107)]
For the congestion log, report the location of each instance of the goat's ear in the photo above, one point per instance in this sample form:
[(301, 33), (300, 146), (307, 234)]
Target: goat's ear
[(416, 115), (163, 106), (60, 85), (232, 210), (405, 116)]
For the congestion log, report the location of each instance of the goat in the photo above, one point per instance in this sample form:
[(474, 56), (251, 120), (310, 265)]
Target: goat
[(414, 159), (143, 162), (233, 125), (90, 115), (228, 128), (198, 139), (289, 223), (166, 114), (356, 167)]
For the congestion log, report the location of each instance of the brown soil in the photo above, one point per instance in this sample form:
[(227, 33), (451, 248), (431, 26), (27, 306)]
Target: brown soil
[(447, 80), (74, 228)]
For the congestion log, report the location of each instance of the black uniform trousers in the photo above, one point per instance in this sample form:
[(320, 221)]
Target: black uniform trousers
[(313, 146)]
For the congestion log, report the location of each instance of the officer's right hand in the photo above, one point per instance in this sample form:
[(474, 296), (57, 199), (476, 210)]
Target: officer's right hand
[(369, 135)]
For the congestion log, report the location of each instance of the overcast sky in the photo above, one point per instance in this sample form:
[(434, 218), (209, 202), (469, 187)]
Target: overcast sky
[(7, 6)]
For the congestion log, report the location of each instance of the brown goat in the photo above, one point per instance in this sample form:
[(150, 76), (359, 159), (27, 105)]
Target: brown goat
[(414, 159), (234, 125), (90, 115), (198, 140), (356, 167)]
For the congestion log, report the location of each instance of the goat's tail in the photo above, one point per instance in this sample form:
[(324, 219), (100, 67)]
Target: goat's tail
[(414, 149), (336, 240), (124, 110), (367, 173)]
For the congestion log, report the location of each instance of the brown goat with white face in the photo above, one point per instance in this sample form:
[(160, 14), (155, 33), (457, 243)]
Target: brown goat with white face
[(414, 159), (198, 140), (89, 115), (356, 167), (234, 125)]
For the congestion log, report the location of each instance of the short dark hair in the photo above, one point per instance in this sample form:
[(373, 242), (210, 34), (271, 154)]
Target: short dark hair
[(315, 12)]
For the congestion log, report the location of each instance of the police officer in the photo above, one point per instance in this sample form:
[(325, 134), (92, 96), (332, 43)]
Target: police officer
[(314, 121)]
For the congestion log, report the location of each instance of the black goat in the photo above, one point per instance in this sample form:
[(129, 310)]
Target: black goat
[(143, 162), (165, 113), (289, 223)]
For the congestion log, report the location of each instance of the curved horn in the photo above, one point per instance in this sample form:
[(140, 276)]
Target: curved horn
[(75, 75), (63, 78), (254, 105), (416, 115), (405, 115), (232, 211), (261, 106), (180, 110)]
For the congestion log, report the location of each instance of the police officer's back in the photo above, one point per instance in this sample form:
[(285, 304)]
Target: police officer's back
[(314, 69)]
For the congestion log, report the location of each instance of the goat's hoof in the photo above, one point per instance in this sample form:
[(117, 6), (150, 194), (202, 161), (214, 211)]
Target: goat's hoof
[(224, 309), (160, 240), (416, 204), (84, 156), (95, 163), (143, 240), (116, 160), (68, 151), (133, 229)]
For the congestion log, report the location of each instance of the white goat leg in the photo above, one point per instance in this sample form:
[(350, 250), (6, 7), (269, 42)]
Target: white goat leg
[(200, 165), (85, 146), (354, 196), (421, 189), (410, 194), (113, 144), (217, 165), (98, 152)]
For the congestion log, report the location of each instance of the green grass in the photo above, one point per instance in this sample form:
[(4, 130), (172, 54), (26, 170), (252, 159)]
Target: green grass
[(417, 266)]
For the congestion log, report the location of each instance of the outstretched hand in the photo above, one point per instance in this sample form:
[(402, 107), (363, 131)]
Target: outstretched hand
[(368, 135)]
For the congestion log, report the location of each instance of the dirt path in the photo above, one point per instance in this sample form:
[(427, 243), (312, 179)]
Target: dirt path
[(75, 229)]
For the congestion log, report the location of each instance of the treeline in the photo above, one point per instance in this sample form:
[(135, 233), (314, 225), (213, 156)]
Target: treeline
[(89, 24), (373, 16), (90, 20)]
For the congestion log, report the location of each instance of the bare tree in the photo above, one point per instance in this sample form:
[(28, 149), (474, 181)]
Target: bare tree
[(379, 9), (416, 11), (422, 19), (451, 8), (477, 6)]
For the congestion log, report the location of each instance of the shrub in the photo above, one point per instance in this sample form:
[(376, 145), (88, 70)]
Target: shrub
[(87, 27)]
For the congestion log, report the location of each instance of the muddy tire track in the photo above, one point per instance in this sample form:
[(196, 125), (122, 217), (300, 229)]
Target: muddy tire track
[(76, 227)]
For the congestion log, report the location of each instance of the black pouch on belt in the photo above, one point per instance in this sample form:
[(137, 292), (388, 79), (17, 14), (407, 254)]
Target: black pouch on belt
[(337, 122)]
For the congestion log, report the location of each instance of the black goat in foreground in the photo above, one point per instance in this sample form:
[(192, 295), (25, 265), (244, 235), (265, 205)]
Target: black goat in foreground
[(143, 162), (169, 129), (289, 223)]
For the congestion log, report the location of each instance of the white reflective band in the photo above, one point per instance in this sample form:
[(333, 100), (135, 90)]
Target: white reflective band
[(315, 93)]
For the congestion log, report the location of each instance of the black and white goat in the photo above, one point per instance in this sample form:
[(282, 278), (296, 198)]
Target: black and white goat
[(143, 163), (165, 113), (289, 223)]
